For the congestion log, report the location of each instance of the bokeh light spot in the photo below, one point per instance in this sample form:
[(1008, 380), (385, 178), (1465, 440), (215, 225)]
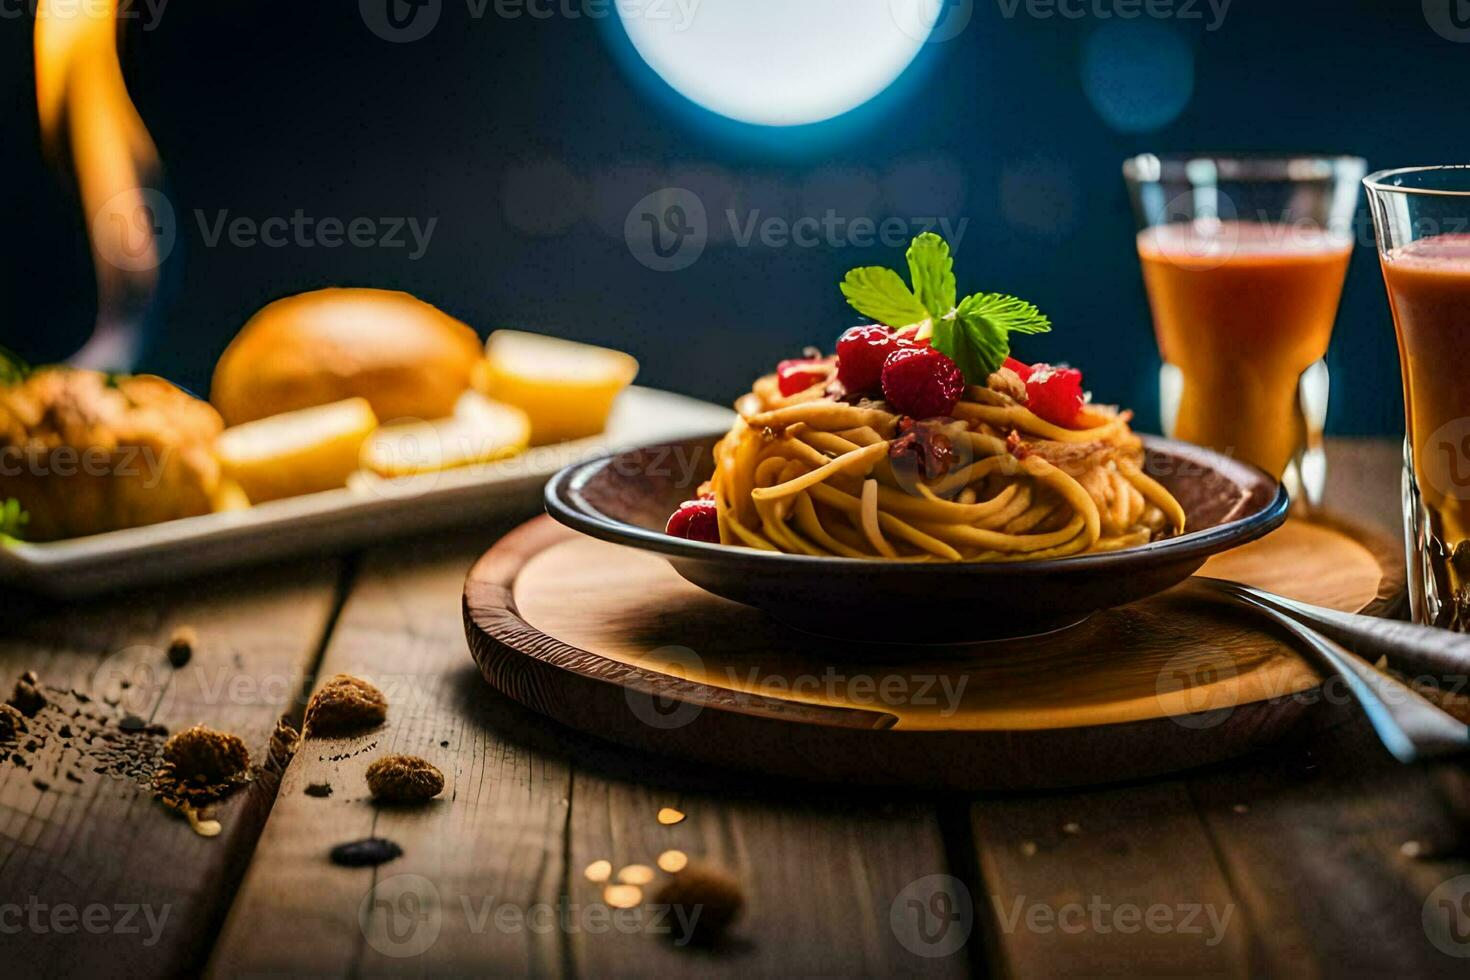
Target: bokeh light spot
[(1139, 76)]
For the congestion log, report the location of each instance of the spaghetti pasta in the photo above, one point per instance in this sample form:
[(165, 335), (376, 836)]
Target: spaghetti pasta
[(807, 473)]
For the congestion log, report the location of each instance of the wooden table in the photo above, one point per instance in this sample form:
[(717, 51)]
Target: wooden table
[(1313, 858)]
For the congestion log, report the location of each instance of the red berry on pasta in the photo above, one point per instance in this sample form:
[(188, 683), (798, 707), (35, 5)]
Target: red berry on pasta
[(922, 382)]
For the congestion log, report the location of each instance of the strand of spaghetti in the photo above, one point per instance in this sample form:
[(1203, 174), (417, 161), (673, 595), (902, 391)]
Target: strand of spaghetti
[(864, 457), (778, 531), (1032, 519), (1070, 490), (1010, 543), (1154, 493), (1130, 540), (806, 518), (928, 506), (852, 507), (862, 435), (869, 518), (828, 442), (1019, 417), (1077, 544), (1019, 504), (1002, 462), (824, 415)]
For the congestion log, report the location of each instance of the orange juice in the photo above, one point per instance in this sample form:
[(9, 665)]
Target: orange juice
[(1242, 310), (1429, 290)]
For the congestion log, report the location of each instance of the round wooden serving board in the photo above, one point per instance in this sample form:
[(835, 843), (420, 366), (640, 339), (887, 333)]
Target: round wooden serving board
[(611, 641)]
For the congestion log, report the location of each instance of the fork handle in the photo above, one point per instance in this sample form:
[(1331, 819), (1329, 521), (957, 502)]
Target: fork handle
[(1443, 654)]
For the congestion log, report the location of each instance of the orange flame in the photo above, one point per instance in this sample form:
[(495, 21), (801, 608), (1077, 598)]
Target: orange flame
[(84, 105)]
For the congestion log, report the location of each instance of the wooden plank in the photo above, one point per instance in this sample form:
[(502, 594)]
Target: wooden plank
[(1324, 848), (829, 881), (1333, 849), (99, 878), (491, 878), (1119, 882), (493, 838)]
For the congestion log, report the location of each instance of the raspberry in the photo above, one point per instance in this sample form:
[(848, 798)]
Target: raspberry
[(1055, 394), (794, 377), (1023, 371), (861, 352), (696, 521), (922, 382)]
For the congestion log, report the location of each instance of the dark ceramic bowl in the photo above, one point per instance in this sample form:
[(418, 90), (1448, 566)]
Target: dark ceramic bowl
[(626, 498)]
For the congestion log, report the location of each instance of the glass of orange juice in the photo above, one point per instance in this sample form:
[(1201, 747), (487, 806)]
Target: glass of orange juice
[(1422, 216), (1244, 260)]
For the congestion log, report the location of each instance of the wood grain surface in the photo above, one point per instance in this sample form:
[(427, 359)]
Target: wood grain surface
[(491, 877), (95, 843), (1324, 853)]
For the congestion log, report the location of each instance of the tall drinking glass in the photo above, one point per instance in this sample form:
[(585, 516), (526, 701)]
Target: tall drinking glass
[(1421, 216), (1244, 260)]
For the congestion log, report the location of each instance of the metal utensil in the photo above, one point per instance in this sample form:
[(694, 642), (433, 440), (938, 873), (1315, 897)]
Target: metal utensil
[(1410, 726)]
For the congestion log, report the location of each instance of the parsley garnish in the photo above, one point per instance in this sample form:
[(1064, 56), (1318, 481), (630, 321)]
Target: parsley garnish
[(974, 332)]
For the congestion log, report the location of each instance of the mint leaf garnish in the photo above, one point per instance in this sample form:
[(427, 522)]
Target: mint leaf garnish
[(880, 295), (975, 333), (980, 339), (931, 269)]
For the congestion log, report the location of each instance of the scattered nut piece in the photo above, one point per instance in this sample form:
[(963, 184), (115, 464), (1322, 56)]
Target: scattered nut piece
[(345, 705), (12, 723), (598, 871), (404, 779), (181, 645), (1028, 848), (622, 896), (706, 898), (668, 816), (1240, 808), (1411, 849), (205, 755), (1071, 827), (636, 874), (27, 697), (673, 861)]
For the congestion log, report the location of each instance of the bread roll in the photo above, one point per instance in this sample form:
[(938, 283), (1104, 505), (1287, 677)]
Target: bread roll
[(407, 358), (85, 452)]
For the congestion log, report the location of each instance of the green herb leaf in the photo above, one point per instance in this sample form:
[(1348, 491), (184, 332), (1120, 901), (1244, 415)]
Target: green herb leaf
[(979, 341), (13, 519), (931, 269), (13, 370), (975, 334), (880, 295)]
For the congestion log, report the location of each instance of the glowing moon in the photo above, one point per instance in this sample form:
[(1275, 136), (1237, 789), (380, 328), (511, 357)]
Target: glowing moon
[(784, 63)]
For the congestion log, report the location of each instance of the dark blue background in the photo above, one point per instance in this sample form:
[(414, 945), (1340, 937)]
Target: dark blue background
[(266, 108)]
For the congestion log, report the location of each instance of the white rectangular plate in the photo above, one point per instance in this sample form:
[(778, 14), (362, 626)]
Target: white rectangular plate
[(367, 510)]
